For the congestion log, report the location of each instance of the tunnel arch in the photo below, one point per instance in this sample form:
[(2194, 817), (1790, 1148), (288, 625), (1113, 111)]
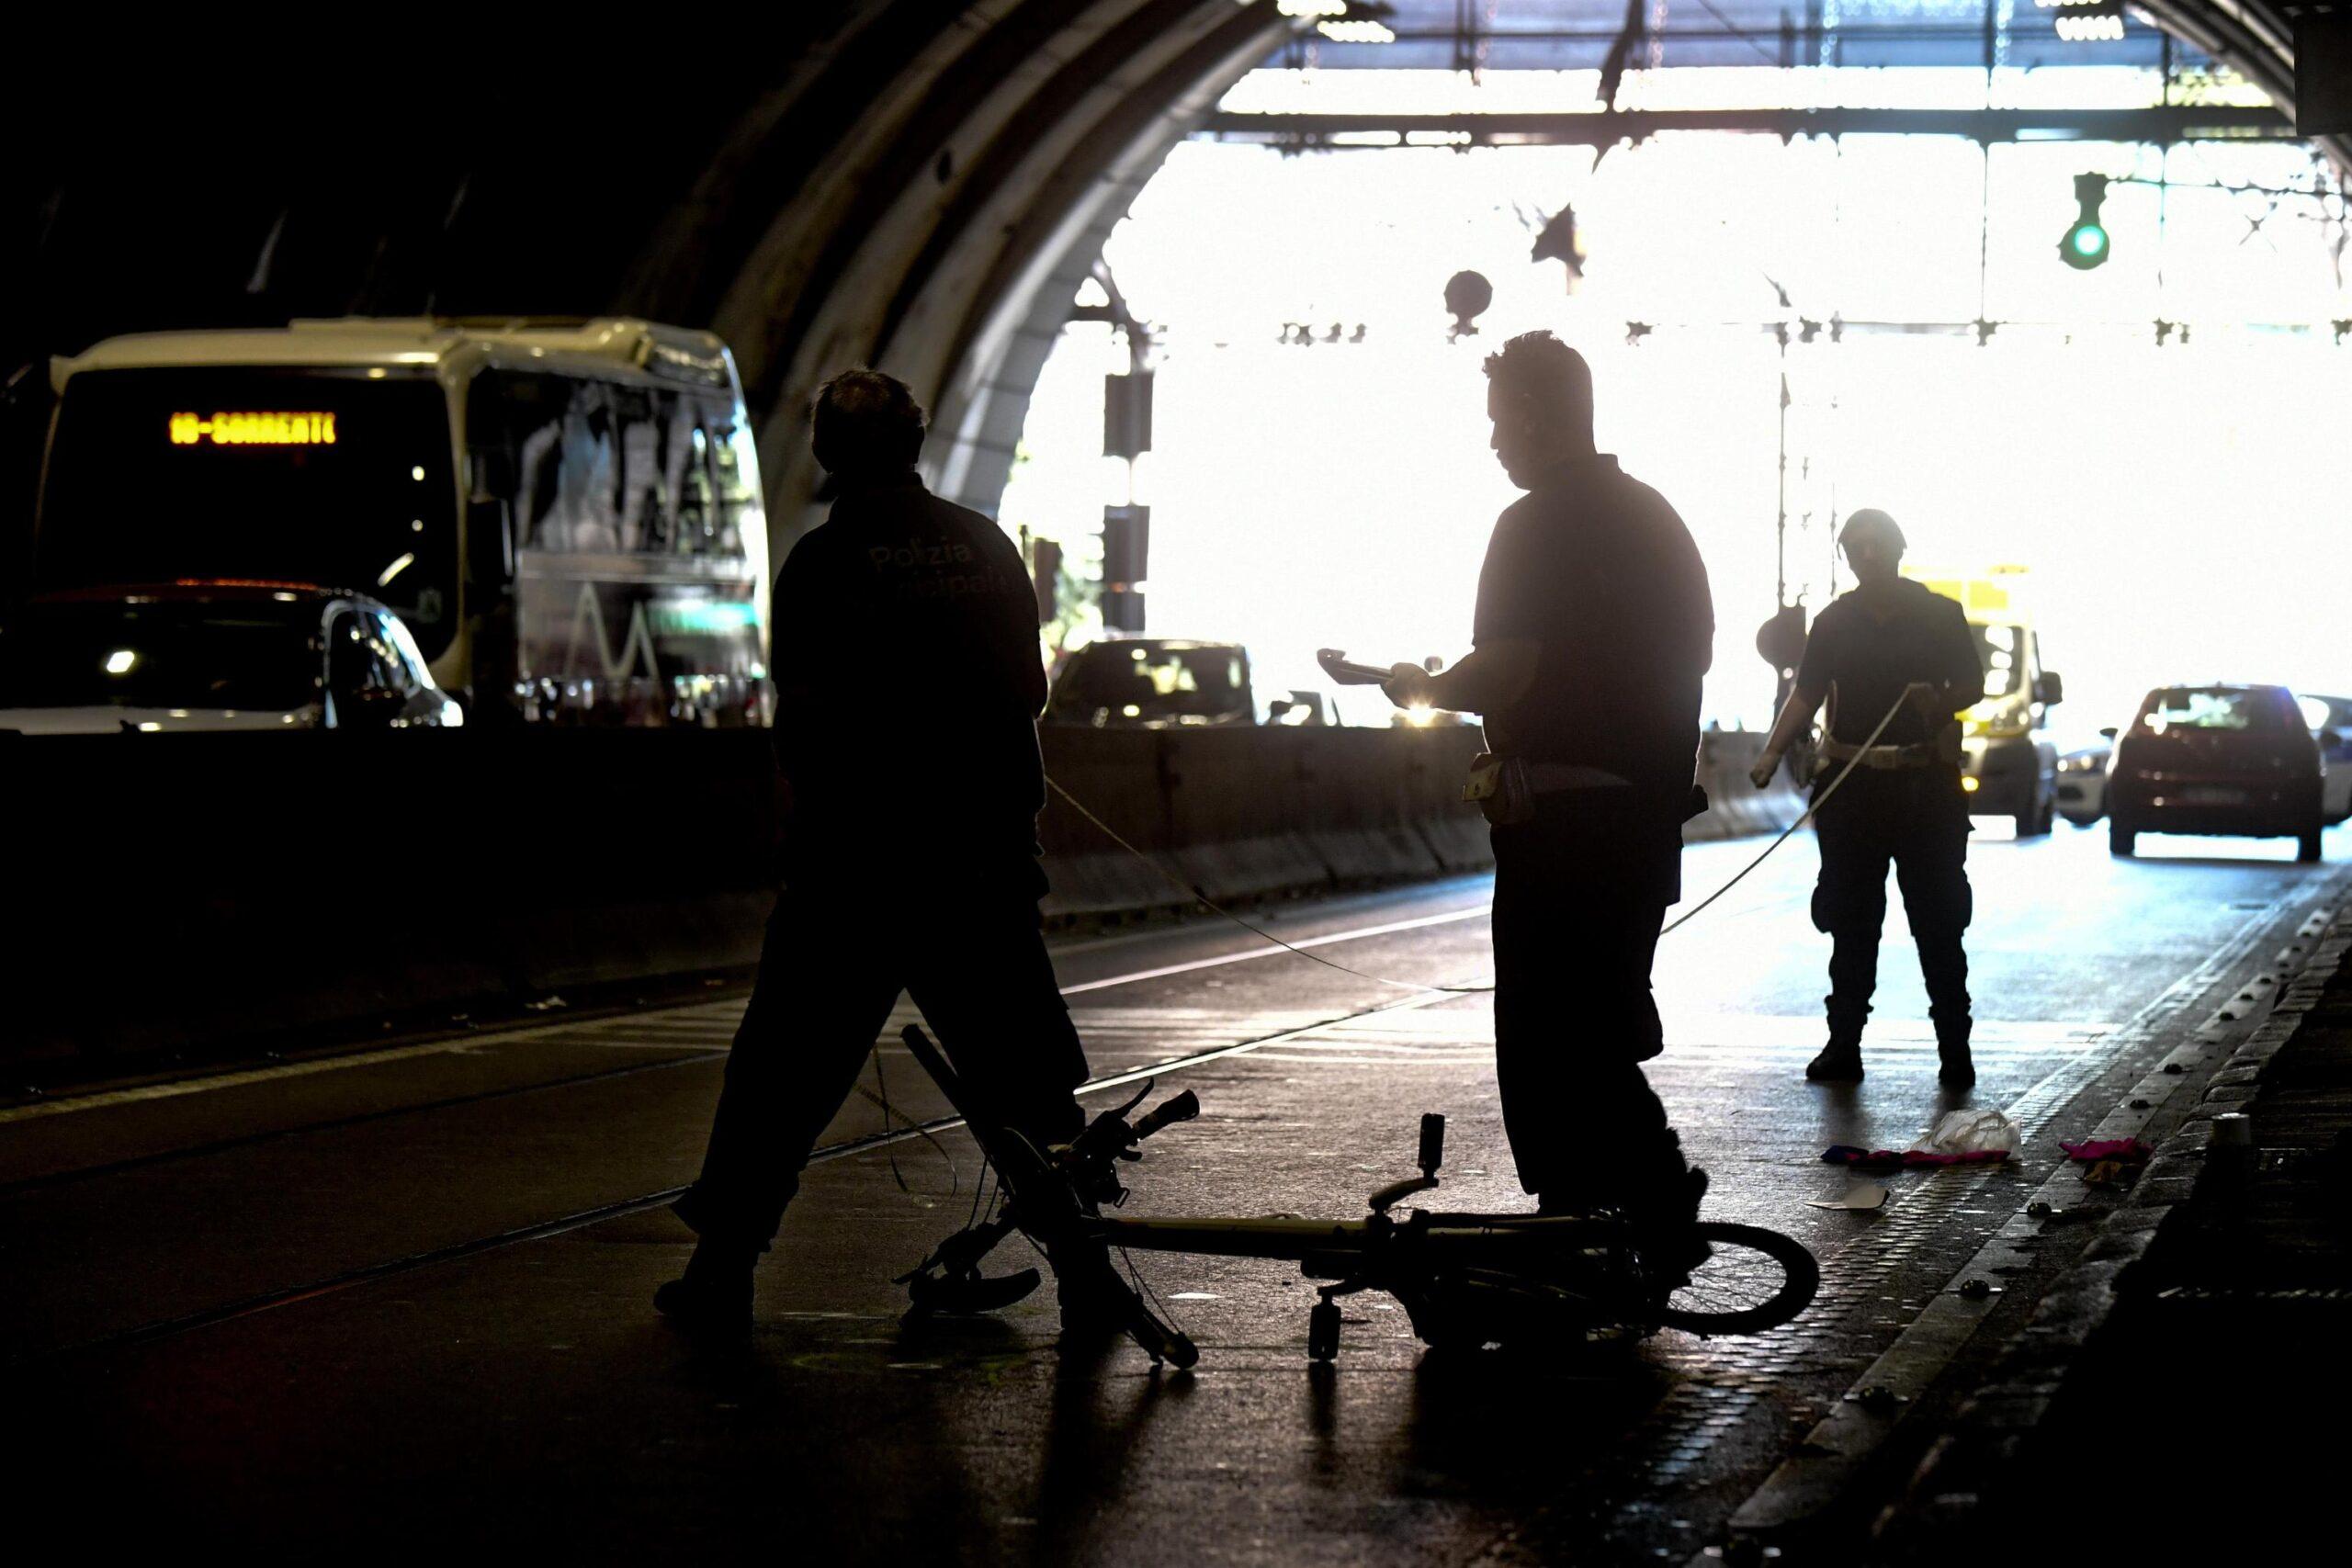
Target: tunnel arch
[(916, 183)]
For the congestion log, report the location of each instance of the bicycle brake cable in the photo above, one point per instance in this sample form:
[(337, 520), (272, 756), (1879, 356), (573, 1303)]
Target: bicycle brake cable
[(882, 1099)]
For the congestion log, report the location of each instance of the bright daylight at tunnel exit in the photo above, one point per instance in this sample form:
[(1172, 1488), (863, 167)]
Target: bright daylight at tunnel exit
[(1277, 782)]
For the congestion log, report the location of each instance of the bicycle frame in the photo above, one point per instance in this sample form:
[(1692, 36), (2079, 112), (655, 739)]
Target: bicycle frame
[(1464, 1278), (1438, 1240)]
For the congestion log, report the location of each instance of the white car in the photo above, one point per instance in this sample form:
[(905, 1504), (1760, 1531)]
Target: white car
[(2329, 720), (209, 656), (2082, 779)]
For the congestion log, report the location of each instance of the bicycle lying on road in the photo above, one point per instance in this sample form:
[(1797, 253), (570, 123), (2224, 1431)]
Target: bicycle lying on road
[(1465, 1280)]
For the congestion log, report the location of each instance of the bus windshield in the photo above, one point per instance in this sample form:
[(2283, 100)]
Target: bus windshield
[(300, 474)]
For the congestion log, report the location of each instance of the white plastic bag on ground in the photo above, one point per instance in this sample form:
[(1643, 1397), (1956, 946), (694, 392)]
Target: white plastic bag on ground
[(1970, 1131)]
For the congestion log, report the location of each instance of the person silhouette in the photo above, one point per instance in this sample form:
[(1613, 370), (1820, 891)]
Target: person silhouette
[(913, 860), (1594, 627), (1889, 650)]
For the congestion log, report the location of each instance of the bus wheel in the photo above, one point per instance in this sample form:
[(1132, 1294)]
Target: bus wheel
[(2307, 844), (2121, 840)]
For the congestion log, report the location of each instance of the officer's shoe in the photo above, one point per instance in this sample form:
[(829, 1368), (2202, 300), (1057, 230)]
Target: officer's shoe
[(1957, 1069), (1840, 1062)]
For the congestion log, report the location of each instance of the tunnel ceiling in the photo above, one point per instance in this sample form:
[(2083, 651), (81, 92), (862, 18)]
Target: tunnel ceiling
[(914, 184)]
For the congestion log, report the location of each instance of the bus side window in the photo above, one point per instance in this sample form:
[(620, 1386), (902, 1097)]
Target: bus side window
[(695, 494), (740, 508), (514, 423), (587, 479), (643, 506), (570, 467)]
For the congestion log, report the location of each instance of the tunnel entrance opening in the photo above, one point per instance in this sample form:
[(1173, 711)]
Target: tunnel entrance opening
[(1782, 331)]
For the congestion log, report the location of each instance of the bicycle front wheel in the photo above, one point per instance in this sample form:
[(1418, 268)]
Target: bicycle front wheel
[(1753, 1279)]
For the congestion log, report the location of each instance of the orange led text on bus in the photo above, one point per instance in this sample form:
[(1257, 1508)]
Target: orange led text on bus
[(253, 430)]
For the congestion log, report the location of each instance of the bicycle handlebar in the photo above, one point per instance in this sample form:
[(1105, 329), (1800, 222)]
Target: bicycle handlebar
[(1385, 1199), (1176, 1108)]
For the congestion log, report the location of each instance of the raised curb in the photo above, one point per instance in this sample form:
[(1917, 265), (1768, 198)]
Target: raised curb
[(1945, 1501)]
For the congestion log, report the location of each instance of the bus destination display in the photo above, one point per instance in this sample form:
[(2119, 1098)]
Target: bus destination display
[(253, 429)]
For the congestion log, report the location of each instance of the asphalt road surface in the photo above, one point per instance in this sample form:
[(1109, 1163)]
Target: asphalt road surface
[(395, 1299)]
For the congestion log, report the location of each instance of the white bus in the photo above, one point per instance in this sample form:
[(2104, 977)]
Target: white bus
[(566, 513)]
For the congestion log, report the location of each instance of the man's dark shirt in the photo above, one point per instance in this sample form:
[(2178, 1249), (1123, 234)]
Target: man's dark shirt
[(908, 679), (1928, 637), (1598, 569)]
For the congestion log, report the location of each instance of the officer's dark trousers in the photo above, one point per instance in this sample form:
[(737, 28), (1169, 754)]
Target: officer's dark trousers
[(1579, 894), (964, 940), (1916, 818)]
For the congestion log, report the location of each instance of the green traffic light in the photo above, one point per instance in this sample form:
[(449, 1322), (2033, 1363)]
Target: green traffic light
[(2085, 245)]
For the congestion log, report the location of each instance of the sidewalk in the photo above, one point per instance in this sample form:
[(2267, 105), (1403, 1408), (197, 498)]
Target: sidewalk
[(2185, 1387)]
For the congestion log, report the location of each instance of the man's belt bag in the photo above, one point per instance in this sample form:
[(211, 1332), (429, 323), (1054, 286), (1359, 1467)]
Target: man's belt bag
[(1506, 786), (1923, 754)]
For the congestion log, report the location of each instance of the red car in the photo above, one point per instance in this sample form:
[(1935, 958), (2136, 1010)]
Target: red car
[(2233, 759)]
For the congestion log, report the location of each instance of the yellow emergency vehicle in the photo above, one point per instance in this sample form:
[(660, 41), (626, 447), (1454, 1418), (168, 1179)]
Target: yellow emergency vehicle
[(2009, 767)]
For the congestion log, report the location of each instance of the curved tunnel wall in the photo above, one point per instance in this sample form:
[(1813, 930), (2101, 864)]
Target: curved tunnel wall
[(918, 183)]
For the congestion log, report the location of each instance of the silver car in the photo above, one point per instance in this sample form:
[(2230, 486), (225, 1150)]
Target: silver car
[(212, 655)]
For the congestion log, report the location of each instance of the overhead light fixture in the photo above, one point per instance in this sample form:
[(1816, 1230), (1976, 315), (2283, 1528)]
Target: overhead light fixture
[(1346, 21), (2101, 23)]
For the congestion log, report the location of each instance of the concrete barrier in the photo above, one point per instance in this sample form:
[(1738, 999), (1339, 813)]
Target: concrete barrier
[(1120, 776), (1237, 813), (1735, 807)]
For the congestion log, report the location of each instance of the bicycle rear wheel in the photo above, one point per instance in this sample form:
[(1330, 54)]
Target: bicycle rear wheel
[(1753, 1279)]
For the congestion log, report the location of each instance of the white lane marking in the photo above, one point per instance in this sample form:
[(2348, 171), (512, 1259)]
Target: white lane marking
[(659, 1018), (231, 1080), (1188, 1062), (1432, 892), (1256, 955)]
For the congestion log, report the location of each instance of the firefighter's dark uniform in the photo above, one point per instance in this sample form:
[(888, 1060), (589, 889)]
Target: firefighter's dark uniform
[(1901, 803), (1597, 569), (906, 651)]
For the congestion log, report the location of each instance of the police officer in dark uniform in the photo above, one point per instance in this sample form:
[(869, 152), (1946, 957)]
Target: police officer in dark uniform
[(908, 686), (1594, 627), (1888, 645)]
